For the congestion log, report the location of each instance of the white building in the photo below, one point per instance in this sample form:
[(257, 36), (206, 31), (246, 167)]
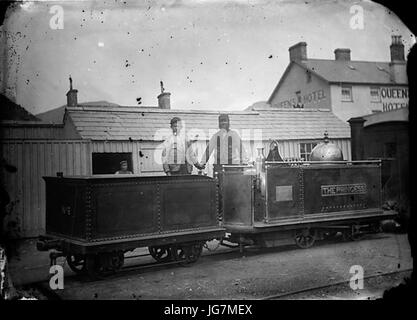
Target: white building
[(349, 88)]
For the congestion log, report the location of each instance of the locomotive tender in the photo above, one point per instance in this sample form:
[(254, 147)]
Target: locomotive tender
[(94, 220)]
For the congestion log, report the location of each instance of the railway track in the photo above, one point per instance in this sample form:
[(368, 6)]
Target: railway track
[(311, 290)]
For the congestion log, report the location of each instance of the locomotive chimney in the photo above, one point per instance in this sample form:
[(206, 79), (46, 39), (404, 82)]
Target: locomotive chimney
[(72, 96), (298, 52), (356, 137), (164, 98)]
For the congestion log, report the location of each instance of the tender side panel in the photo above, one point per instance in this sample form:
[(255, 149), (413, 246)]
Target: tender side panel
[(124, 209), (188, 205), (283, 193), (341, 189), (65, 208), (237, 198)]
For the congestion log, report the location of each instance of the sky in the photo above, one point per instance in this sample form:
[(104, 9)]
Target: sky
[(211, 55)]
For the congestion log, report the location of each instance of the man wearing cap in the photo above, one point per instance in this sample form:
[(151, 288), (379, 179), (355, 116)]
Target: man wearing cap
[(123, 168), (178, 155), (226, 145)]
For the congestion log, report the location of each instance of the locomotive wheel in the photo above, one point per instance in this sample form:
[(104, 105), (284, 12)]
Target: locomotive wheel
[(161, 254), (188, 253), (304, 238), (355, 233), (376, 227), (77, 263)]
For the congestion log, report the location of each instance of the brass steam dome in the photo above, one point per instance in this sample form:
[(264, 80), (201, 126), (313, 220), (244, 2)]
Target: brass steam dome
[(326, 151)]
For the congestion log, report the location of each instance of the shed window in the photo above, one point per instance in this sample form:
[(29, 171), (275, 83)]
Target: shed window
[(375, 97), (305, 150), (347, 93), (109, 163)]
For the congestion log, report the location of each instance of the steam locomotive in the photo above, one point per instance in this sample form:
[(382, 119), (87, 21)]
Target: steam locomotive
[(94, 220)]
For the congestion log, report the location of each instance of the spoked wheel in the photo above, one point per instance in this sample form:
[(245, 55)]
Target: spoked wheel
[(194, 252), (77, 263), (101, 264), (187, 253), (161, 254), (304, 238)]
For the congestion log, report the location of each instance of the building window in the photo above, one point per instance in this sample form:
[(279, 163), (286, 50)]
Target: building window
[(347, 93), (375, 96), (109, 163), (305, 150)]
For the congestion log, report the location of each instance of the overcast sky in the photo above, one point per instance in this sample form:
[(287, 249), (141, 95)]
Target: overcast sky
[(212, 55)]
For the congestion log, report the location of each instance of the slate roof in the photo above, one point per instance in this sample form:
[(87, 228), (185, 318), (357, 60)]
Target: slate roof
[(140, 123), (355, 71), (56, 115)]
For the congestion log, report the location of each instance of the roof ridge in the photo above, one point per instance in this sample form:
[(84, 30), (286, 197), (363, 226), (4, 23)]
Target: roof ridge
[(275, 109), (346, 61), (135, 109)]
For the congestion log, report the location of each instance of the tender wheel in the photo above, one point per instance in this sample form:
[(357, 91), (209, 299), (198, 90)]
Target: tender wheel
[(100, 265), (304, 238), (95, 267), (187, 253), (178, 253), (194, 252), (117, 260), (161, 254), (77, 263)]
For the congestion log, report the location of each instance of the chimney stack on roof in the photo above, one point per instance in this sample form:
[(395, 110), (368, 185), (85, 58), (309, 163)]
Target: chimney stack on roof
[(397, 49), (164, 99), (72, 96), (342, 54), (298, 52)]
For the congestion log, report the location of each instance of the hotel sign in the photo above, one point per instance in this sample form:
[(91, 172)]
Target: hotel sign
[(301, 100), (343, 189), (394, 98)]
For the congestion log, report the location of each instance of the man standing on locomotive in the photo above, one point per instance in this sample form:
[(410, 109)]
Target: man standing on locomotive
[(226, 145), (178, 157)]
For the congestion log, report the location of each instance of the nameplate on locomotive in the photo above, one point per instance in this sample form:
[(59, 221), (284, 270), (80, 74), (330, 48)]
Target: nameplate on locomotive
[(283, 193), (343, 189)]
